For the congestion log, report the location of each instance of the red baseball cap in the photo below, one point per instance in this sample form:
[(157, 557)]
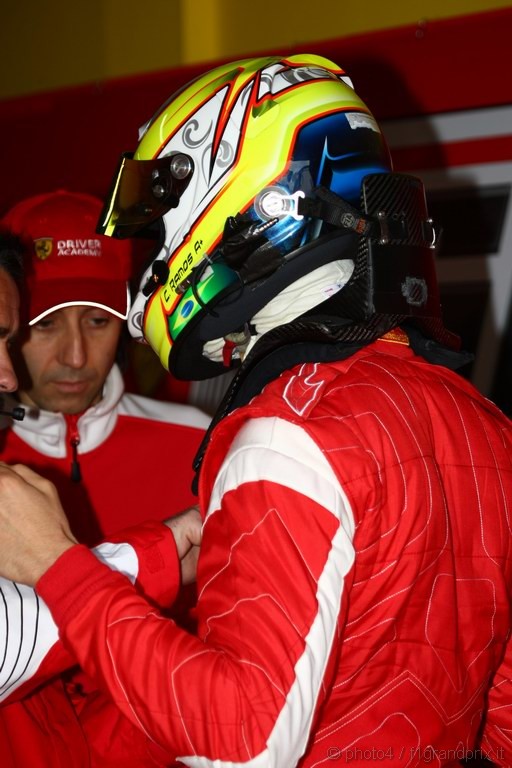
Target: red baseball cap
[(69, 263)]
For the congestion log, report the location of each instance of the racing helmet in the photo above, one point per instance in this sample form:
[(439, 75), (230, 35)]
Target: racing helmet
[(251, 177)]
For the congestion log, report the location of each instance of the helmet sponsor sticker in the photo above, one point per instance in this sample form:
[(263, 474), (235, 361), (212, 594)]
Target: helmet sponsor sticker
[(361, 120)]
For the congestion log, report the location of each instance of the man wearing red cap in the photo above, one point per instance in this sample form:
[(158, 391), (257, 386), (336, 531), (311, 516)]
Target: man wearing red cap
[(103, 449)]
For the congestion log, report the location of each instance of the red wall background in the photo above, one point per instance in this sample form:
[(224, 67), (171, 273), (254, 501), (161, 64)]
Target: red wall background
[(72, 138)]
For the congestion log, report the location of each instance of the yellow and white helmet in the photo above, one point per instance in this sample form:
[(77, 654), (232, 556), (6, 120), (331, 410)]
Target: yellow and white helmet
[(225, 168)]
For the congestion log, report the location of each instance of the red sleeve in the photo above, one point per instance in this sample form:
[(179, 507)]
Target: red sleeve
[(270, 587), (158, 579)]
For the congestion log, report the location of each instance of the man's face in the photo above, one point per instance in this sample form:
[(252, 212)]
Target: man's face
[(9, 318), (66, 357)]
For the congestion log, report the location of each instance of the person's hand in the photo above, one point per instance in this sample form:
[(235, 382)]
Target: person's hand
[(187, 528), (34, 530)]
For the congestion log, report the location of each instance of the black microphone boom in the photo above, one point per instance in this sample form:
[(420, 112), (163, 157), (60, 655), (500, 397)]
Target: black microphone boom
[(17, 413)]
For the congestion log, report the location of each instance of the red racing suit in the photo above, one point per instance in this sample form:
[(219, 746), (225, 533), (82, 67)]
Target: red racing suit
[(354, 581), (126, 448)]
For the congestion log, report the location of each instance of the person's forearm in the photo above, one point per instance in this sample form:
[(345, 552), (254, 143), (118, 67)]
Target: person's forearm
[(252, 671), (32, 650)]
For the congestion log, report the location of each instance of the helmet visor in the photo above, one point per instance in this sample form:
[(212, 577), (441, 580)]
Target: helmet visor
[(142, 191)]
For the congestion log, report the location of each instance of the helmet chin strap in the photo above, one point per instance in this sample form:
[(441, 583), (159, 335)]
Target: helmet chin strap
[(296, 299)]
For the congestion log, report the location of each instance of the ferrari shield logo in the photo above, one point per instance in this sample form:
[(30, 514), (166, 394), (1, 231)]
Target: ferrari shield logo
[(43, 247)]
